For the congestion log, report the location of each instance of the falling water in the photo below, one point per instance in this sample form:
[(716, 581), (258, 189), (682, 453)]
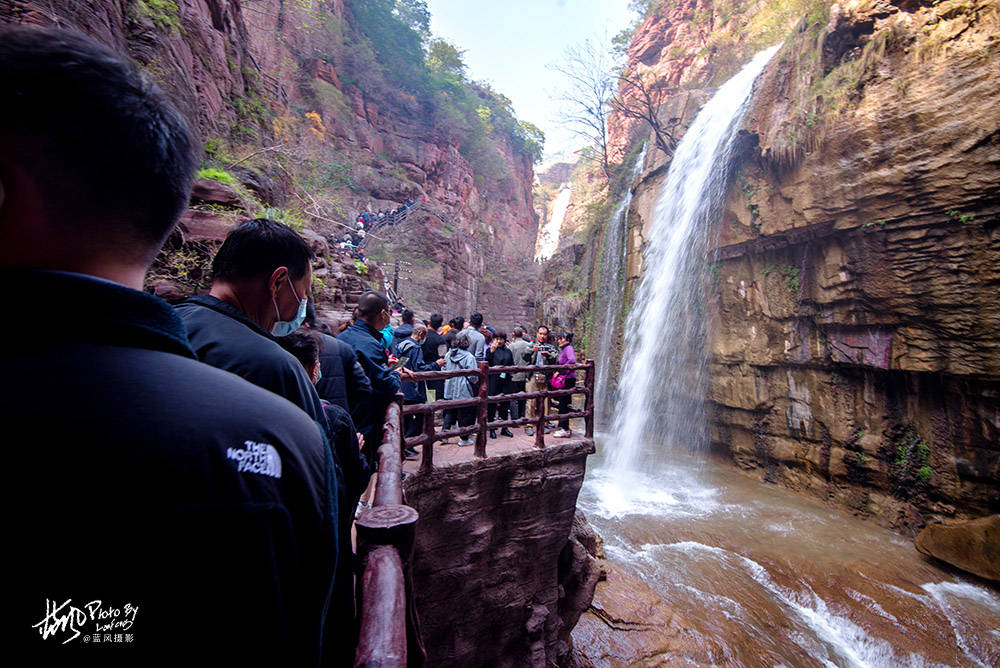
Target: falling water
[(612, 289), (548, 240), (662, 382)]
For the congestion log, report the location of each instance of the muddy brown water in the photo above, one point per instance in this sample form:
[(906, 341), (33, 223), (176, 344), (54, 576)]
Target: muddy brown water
[(769, 578)]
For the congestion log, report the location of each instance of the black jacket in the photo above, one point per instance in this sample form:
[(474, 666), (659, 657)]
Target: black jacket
[(225, 338), (415, 392), (343, 381), (500, 357), (434, 346), (148, 478), (367, 343)]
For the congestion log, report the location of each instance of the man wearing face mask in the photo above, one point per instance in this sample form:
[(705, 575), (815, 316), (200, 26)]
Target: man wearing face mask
[(261, 282), (364, 335)]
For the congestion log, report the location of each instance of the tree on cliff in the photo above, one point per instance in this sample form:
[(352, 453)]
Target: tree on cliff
[(640, 96), (586, 97)]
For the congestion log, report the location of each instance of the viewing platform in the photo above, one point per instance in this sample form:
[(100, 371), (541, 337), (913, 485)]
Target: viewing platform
[(475, 536)]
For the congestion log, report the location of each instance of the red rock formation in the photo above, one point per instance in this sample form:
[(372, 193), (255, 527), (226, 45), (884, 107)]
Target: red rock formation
[(498, 579), (247, 73)]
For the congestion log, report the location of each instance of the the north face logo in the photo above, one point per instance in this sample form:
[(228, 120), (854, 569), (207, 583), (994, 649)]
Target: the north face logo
[(256, 458)]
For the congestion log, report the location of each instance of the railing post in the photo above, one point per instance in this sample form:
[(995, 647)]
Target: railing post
[(589, 403), (540, 418), (484, 390), (427, 454)]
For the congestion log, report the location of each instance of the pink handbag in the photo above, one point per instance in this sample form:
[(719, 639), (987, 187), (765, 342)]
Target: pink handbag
[(558, 381)]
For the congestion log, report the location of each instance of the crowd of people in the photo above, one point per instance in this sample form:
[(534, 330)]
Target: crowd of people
[(353, 240), (201, 464)]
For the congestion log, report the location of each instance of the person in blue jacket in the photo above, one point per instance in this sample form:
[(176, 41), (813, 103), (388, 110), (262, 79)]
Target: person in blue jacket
[(166, 499), (415, 393), (364, 335)]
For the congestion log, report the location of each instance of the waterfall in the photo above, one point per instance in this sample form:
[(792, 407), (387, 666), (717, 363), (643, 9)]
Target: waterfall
[(612, 290), (548, 240), (663, 375)]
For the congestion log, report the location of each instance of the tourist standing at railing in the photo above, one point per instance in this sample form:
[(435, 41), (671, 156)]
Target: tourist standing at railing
[(477, 342), (434, 348), (564, 380), (520, 349), (501, 383), (402, 332), (543, 353), (343, 379), (462, 387), (415, 393)]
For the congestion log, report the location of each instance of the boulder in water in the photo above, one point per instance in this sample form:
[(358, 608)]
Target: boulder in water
[(973, 545)]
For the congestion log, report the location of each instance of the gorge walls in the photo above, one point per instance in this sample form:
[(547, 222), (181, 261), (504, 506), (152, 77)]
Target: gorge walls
[(854, 273), (303, 120)]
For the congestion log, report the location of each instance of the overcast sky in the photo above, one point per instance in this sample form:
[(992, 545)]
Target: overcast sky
[(511, 44)]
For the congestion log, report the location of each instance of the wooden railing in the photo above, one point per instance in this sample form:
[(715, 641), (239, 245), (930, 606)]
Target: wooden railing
[(481, 402), (385, 531), (385, 540)]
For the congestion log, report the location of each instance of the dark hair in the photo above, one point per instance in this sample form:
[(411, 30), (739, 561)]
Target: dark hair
[(476, 320), (458, 322), (500, 334), (436, 320), (449, 337), (565, 335), (461, 340), (111, 157), (407, 316), (258, 247), (371, 303), (518, 332), (303, 345)]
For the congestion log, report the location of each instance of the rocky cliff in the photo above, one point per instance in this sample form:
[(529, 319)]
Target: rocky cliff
[(854, 273), (500, 565), (302, 120)]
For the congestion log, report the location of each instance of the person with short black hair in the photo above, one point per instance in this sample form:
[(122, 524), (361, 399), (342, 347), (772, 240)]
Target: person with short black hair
[(434, 347), (365, 336), (161, 482), (343, 381), (261, 282), (502, 383), (416, 392), (520, 350), (477, 342)]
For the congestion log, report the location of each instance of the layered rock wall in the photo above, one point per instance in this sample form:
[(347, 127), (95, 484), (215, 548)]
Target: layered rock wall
[(497, 579), (264, 84), (854, 275)]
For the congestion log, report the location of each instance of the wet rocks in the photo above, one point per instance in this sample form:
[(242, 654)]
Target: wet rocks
[(973, 546)]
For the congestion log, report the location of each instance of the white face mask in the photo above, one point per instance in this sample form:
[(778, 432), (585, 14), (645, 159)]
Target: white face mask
[(286, 327)]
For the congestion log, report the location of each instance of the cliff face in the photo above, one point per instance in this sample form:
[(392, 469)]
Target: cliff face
[(854, 273), (500, 571), (273, 90)]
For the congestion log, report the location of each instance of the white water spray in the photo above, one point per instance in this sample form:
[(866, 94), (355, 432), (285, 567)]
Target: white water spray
[(612, 290), (662, 387), (548, 241)]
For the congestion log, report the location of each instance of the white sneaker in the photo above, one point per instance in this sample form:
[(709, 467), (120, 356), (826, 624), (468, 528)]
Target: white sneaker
[(562, 433), (464, 442)]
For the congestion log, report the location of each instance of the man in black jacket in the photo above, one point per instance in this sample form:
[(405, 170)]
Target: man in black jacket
[(342, 379), (168, 512), (434, 348), (261, 282)]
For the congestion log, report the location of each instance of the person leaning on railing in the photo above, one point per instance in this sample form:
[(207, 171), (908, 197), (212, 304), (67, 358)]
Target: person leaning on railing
[(500, 383), (520, 349)]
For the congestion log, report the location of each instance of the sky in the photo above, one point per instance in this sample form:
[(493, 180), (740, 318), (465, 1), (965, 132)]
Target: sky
[(512, 43)]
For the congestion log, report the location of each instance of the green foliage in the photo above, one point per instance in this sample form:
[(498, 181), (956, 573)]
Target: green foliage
[(909, 458), (924, 474), (162, 13), (292, 219), (361, 268), (216, 174)]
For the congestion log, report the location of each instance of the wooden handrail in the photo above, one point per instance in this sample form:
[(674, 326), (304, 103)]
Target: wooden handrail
[(482, 401), (385, 539)]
